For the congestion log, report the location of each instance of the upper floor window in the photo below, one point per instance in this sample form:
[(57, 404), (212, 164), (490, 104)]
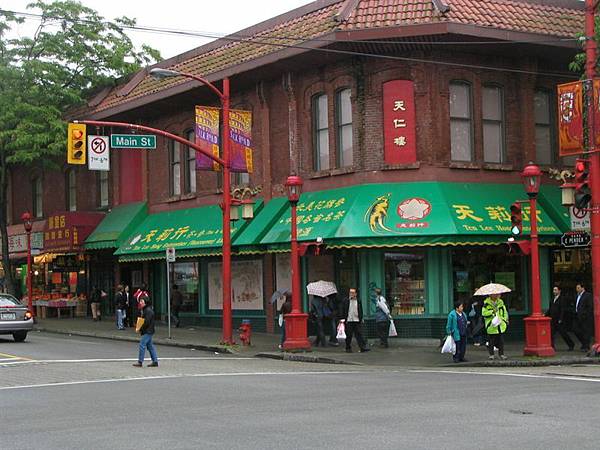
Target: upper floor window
[(461, 121), (71, 190), (320, 132), (343, 113), (174, 168), (103, 188), (189, 164), (37, 196), (544, 138), (493, 124)]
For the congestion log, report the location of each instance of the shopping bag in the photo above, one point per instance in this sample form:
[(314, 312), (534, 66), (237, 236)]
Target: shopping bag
[(139, 324), (392, 331), (496, 321), (341, 331), (449, 345), (280, 320)]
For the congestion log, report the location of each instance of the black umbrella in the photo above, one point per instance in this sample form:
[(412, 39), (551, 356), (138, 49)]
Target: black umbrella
[(278, 294)]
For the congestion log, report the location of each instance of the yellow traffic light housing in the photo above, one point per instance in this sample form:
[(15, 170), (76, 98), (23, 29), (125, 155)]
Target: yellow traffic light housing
[(76, 147)]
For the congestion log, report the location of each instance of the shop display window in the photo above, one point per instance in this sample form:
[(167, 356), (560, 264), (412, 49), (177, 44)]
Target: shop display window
[(185, 276), (405, 282), (475, 266)]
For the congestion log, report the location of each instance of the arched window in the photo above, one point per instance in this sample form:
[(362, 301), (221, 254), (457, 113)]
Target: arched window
[(320, 133), (37, 196), (189, 164), (461, 121), (174, 168), (103, 188), (494, 148), (343, 118), (545, 139), (71, 190)]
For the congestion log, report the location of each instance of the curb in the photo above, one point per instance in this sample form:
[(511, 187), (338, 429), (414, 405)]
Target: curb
[(284, 356), (532, 363), (158, 341)]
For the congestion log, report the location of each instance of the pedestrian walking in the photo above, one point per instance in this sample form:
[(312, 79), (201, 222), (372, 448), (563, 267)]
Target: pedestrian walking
[(558, 312), (147, 332), (131, 308), (120, 307), (456, 326), (317, 315), (584, 316), (495, 316), (286, 308), (476, 326), (95, 299), (382, 318), (176, 302), (352, 315)]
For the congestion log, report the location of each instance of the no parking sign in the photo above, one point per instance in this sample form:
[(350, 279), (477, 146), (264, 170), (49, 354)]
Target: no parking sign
[(98, 154)]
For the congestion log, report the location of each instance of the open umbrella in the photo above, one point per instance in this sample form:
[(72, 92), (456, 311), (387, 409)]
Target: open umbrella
[(492, 288), (321, 288), (278, 294)]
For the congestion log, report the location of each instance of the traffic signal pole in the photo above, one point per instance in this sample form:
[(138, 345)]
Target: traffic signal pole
[(590, 72)]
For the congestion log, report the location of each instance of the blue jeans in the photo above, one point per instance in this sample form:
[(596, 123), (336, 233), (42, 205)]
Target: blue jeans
[(146, 342), (283, 332), (120, 319)]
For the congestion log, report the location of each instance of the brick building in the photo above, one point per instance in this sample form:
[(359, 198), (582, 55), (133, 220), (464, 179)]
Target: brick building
[(409, 122)]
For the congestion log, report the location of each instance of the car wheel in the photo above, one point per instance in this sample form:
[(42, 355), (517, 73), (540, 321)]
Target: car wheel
[(19, 336)]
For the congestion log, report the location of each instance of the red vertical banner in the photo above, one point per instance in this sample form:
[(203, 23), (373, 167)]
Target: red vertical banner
[(596, 114), (399, 122), (570, 118), (207, 136)]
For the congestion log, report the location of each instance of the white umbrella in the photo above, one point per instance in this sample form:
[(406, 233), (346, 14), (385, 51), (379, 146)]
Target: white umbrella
[(321, 288), (492, 288)]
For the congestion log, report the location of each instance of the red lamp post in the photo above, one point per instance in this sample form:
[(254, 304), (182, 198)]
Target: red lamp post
[(26, 218), (296, 322), (538, 338), (227, 201)]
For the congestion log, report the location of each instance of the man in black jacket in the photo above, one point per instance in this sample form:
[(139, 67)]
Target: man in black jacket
[(559, 312), (351, 314), (584, 316), (147, 332)]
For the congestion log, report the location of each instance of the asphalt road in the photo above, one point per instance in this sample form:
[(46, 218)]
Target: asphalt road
[(79, 393)]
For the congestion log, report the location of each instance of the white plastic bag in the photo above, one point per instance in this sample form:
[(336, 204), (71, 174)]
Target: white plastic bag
[(392, 332), (496, 321), (280, 320), (341, 331), (449, 345)]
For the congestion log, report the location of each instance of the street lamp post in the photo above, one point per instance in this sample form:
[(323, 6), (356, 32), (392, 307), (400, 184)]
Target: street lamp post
[(224, 98), (26, 218), (296, 322), (538, 337)]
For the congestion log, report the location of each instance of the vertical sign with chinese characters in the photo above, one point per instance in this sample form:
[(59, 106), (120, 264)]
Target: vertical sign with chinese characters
[(399, 123), (570, 118)]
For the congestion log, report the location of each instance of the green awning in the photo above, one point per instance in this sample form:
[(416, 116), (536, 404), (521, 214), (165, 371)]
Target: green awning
[(248, 241), (408, 214), (551, 200), (116, 226), (192, 232)]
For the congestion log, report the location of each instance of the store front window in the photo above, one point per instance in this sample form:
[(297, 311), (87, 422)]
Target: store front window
[(475, 266), (185, 276), (405, 282)]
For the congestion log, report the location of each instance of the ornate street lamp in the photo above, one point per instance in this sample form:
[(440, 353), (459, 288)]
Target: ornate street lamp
[(26, 218), (538, 337), (296, 337)]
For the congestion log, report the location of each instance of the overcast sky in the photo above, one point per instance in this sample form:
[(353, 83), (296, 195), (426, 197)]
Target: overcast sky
[(220, 16)]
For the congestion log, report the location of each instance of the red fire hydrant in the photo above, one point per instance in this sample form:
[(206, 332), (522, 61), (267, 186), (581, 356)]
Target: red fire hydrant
[(245, 332)]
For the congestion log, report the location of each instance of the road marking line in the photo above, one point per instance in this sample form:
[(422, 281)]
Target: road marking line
[(10, 357), (166, 377), (12, 361), (516, 375)]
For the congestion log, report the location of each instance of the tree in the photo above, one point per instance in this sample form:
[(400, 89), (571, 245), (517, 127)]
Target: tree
[(73, 52)]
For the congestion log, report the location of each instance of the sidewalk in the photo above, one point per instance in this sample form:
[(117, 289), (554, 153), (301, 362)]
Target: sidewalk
[(402, 353)]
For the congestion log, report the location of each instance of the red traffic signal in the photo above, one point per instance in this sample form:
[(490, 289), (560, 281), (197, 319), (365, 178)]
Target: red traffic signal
[(516, 219), (583, 194)]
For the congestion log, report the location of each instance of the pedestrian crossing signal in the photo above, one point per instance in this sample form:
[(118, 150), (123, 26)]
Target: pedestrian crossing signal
[(76, 148)]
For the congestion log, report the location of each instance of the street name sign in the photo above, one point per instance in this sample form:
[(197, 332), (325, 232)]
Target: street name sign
[(146, 141), (575, 239)]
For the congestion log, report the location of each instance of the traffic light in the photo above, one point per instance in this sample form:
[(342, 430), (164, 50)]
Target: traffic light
[(516, 219), (76, 148), (583, 195)]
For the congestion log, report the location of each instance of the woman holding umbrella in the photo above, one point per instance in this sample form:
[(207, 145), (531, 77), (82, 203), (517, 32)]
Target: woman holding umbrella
[(495, 315)]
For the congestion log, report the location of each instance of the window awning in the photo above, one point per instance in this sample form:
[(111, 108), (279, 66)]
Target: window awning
[(116, 226), (192, 232), (408, 214), (551, 200)]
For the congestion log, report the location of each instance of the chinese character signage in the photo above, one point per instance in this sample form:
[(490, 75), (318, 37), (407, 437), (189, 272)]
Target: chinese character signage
[(399, 123), (570, 118), (66, 231), (208, 137)]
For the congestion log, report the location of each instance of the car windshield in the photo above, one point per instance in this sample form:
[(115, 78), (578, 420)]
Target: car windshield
[(7, 300)]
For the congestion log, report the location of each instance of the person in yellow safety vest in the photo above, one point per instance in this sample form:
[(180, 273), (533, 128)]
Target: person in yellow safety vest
[(495, 314)]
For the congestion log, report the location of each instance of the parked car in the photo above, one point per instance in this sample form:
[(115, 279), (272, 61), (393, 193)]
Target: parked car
[(15, 318)]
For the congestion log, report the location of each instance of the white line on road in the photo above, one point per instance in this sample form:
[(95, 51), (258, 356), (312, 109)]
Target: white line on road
[(54, 361), (166, 377), (508, 374)]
